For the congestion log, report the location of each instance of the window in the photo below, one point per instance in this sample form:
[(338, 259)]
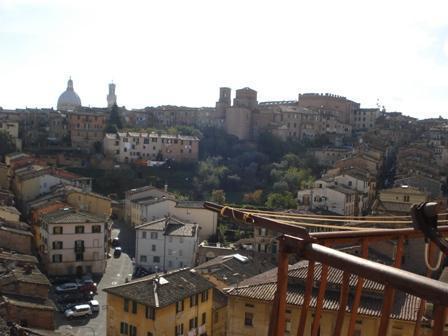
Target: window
[(181, 240), (150, 313), (143, 234), (204, 296), (126, 305), (79, 256), (193, 300), (96, 228), (193, 323), (406, 198), (153, 248), (134, 307), (204, 318), (288, 326), (57, 245), (79, 229), (156, 259), (181, 253), (179, 306), (149, 333), (170, 252), (216, 317), (57, 258), (123, 328), (248, 319), (132, 330), (143, 258), (57, 230), (153, 235), (179, 329)]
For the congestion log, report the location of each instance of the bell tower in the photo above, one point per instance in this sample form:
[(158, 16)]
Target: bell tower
[(111, 97)]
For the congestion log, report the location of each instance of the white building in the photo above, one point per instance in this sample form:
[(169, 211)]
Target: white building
[(149, 203), (165, 244), (334, 198), (131, 146), (73, 242)]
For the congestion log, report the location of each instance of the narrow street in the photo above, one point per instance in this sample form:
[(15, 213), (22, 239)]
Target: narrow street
[(117, 271)]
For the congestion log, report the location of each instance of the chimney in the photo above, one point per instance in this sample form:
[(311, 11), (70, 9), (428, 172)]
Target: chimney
[(27, 269)]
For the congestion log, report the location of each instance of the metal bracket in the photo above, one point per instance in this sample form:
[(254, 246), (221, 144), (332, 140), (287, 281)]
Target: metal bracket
[(424, 218)]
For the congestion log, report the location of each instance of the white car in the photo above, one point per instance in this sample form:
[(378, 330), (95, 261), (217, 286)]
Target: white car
[(78, 311), (94, 306)]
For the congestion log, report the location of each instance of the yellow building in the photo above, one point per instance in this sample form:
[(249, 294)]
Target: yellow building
[(398, 200), (94, 203), (249, 305), (173, 303)]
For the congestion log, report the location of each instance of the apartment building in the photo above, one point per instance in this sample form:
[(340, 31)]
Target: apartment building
[(132, 146), (165, 244), (86, 128), (72, 242), (175, 303), (148, 203)]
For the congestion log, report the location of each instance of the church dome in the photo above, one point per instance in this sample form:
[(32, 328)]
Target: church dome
[(69, 100)]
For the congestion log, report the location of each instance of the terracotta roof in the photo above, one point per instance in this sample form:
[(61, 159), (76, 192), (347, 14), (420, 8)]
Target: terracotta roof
[(151, 291), (19, 274), (263, 287), (170, 226), (190, 204), (233, 268), (69, 216), (28, 302)]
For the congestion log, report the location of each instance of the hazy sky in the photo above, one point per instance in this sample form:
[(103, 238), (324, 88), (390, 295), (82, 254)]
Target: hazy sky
[(181, 52)]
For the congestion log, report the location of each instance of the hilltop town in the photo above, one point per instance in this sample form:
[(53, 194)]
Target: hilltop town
[(103, 227)]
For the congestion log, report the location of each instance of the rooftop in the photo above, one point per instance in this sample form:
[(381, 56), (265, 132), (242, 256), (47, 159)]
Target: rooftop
[(234, 268), (263, 287), (170, 226), (155, 292), (70, 216)]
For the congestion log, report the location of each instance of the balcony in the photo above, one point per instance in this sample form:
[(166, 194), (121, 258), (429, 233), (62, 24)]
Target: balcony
[(355, 271)]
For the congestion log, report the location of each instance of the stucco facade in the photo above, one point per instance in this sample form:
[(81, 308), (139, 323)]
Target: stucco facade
[(73, 242), (132, 146)]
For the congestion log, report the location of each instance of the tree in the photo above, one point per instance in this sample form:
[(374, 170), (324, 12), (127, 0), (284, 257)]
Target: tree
[(114, 123), (7, 144), (218, 196), (254, 197), (281, 201)]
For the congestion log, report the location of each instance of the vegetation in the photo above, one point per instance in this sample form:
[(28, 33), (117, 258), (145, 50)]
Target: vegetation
[(114, 123)]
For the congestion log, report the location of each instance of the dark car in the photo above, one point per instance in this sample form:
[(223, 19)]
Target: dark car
[(116, 242), (117, 252), (87, 285), (76, 297)]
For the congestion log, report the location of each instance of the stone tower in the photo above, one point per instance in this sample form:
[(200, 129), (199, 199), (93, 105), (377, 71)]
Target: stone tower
[(224, 102), (111, 97)]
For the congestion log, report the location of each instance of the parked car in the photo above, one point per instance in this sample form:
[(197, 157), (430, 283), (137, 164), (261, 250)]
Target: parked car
[(94, 305), (117, 252), (116, 242), (67, 287), (74, 297), (87, 285), (78, 311)]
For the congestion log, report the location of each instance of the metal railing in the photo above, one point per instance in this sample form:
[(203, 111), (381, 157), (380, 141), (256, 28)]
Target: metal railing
[(316, 248)]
